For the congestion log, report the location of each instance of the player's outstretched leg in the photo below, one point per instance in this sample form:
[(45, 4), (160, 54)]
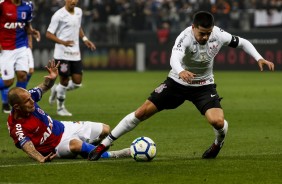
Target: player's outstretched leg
[(96, 153), (124, 153)]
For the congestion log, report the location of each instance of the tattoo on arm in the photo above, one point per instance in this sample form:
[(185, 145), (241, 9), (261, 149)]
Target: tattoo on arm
[(29, 148), (47, 84)]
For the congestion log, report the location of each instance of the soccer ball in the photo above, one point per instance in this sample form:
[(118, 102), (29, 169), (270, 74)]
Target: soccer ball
[(143, 149)]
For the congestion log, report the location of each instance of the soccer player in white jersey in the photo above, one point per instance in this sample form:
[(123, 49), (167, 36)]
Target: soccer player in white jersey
[(65, 30), (191, 78)]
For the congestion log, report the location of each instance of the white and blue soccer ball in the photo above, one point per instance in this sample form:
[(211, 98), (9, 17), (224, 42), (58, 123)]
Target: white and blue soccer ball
[(143, 149)]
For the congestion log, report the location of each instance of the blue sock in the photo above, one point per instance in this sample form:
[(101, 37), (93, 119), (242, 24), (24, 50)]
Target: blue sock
[(4, 94), (86, 148), (22, 84), (2, 85), (28, 77)]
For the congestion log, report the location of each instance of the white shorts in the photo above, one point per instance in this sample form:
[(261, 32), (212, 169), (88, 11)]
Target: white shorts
[(13, 60), (85, 131), (30, 58)]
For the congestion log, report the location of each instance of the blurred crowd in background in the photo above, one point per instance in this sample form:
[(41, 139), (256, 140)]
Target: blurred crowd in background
[(103, 18)]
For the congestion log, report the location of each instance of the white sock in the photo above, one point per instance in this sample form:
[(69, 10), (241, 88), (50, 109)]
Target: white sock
[(72, 86), (61, 95), (127, 124), (221, 133)]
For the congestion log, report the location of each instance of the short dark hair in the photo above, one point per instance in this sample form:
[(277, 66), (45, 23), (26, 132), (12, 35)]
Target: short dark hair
[(203, 19), (13, 96)]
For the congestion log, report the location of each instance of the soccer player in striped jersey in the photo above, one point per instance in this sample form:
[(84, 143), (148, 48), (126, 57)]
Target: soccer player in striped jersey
[(65, 30), (44, 138), (15, 25), (190, 79)]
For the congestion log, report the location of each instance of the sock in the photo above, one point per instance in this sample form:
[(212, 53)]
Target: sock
[(4, 94), (127, 124), (220, 134), (28, 77), (2, 85), (72, 86), (61, 95), (86, 148), (21, 84)]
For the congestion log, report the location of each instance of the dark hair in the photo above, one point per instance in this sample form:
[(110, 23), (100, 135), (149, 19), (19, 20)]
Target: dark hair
[(203, 19), (13, 96)]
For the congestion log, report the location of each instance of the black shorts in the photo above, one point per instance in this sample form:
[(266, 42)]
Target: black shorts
[(67, 68), (170, 95)]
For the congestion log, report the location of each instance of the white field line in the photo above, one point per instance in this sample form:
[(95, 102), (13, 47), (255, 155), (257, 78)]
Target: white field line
[(53, 163)]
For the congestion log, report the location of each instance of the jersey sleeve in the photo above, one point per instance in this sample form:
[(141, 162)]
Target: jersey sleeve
[(18, 135), (36, 94), (54, 23), (178, 52), (31, 11), (225, 38)]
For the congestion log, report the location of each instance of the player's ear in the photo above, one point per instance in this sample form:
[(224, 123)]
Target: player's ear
[(16, 106)]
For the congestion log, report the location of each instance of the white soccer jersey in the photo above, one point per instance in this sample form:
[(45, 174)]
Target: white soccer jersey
[(188, 54), (66, 27)]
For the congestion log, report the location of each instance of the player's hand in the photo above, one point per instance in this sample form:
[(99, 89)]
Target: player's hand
[(48, 158), (269, 64), (187, 76), (52, 69), (1, 48), (90, 45), (36, 35), (68, 43)]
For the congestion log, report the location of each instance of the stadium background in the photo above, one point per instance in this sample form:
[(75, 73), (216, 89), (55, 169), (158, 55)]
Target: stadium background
[(138, 34)]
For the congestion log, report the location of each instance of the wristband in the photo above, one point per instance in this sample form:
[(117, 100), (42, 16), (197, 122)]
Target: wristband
[(84, 38)]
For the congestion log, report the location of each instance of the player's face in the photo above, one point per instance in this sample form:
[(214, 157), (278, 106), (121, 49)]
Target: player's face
[(27, 103), (71, 4), (202, 34)]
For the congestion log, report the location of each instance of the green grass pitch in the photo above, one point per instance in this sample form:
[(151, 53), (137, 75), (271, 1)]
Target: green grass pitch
[(252, 152)]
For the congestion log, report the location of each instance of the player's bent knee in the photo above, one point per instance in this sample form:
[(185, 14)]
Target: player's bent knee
[(217, 122), (105, 131), (75, 145)]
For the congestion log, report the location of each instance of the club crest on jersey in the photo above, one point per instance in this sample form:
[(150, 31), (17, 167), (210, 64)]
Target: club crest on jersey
[(23, 15), (63, 67), (160, 88)]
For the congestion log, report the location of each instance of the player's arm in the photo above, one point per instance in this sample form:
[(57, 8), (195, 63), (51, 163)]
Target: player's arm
[(50, 79), (29, 149), (177, 55), (54, 38), (249, 48), (30, 44), (87, 42), (30, 30)]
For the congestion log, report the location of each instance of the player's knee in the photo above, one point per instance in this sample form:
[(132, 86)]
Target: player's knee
[(147, 110), (75, 145), (105, 131), (217, 122)]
